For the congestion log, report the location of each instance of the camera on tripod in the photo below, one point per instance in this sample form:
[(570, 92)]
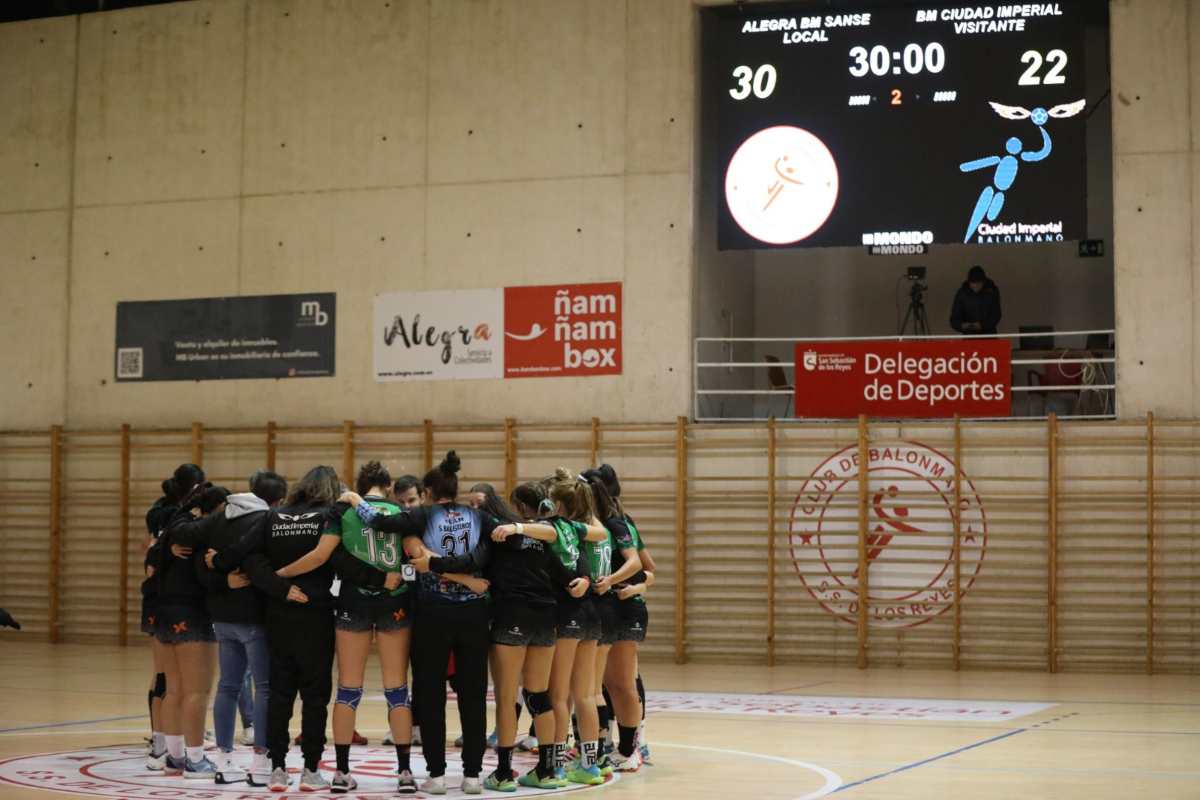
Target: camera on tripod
[(916, 303)]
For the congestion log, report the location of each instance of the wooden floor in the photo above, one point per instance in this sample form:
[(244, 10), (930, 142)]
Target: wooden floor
[(715, 732)]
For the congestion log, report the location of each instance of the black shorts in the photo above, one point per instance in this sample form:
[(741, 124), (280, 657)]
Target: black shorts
[(607, 610), (383, 614), (578, 620), (182, 624), (148, 616), (520, 625), (634, 619)]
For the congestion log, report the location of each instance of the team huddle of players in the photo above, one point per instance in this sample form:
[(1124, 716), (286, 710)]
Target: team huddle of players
[(545, 592)]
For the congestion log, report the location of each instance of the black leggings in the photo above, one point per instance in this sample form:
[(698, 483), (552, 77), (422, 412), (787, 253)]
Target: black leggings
[(301, 645), (439, 629)]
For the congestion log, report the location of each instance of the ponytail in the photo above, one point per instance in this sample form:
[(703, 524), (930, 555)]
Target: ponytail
[(442, 480)]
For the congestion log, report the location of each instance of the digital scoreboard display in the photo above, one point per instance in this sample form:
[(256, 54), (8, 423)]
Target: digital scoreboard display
[(900, 125)]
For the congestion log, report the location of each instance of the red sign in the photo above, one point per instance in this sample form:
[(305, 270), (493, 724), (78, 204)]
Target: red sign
[(920, 378), (568, 329)]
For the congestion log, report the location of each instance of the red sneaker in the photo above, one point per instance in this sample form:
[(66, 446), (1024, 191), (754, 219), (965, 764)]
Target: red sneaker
[(358, 739)]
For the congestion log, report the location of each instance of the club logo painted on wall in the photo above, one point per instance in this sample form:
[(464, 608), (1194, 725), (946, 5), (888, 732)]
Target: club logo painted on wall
[(120, 772), (910, 534), (562, 330)]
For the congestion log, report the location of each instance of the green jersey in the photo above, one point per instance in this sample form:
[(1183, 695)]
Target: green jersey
[(599, 555), (381, 550), (566, 546), (624, 536)]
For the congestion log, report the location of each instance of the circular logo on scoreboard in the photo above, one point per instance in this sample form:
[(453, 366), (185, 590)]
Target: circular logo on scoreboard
[(120, 772), (910, 534), (781, 184)]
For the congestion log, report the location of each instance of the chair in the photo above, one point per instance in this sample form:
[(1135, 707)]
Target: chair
[(777, 378), (1056, 375)]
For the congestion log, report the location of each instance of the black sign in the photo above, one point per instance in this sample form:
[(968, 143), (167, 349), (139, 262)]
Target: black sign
[(897, 249), (269, 336), (901, 123)]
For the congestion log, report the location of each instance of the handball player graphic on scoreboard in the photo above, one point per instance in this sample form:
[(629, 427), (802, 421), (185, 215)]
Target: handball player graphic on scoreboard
[(991, 199)]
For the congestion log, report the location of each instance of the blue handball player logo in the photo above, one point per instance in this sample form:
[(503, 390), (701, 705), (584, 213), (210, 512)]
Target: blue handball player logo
[(991, 199)]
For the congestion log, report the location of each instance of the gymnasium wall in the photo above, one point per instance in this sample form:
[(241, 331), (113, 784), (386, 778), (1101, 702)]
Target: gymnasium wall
[(223, 147)]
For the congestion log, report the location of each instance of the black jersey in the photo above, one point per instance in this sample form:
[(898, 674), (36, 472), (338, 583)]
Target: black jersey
[(625, 537), (520, 569), (178, 580), (280, 537)]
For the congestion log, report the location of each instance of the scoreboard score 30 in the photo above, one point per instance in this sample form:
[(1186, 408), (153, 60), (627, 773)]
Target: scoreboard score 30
[(906, 124)]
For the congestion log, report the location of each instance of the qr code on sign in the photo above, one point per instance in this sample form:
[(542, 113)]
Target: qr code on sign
[(129, 362)]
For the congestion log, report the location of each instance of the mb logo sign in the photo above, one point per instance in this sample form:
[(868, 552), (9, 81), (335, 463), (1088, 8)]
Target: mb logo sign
[(312, 315)]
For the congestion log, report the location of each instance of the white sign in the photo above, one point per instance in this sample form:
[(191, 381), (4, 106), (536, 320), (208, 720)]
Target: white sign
[(451, 335), (785, 705)]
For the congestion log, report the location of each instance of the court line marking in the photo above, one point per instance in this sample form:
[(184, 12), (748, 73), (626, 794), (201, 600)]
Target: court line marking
[(74, 722), (832, 780), (923, 762)]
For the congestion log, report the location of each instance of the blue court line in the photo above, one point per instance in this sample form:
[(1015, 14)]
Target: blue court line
[(915, 764), (76, 722)]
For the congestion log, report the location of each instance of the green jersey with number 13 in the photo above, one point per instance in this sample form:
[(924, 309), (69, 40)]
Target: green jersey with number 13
[(381, 550)]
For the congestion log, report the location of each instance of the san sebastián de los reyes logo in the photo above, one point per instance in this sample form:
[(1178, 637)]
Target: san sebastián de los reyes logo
[(910, 534)]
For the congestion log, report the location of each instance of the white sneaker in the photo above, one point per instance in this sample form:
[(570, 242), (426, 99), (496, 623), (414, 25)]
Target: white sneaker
[(622, 763), (248, 736), (529, 744), (416, 736), (227, 770), (405, 783), (388, 740), (472, 786), (434, 785), (260, 770), (342, 783), (313, 782), (156, 762), (279, 780)]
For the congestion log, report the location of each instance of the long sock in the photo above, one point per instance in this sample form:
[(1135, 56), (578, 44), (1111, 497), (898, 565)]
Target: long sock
[(158, 742), (547, 760), (504, 762), (627, 734), (588, 751), (195, 754), (575, 729), (605, 721), (560, 754), (641, 690), (175, 746), (343, 757), (150, 708), (402, 754)]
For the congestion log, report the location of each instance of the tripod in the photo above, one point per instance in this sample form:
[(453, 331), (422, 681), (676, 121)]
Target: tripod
[(916, 311)]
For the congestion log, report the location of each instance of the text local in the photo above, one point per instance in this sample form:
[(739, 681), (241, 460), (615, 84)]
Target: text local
[(926, 367), (932, 393)]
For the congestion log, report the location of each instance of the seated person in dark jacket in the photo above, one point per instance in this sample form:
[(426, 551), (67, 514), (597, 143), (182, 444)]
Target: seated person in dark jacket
[(976, 307)]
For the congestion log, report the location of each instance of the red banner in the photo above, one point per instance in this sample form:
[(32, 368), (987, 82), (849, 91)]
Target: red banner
[(567, 329), (914, 379)]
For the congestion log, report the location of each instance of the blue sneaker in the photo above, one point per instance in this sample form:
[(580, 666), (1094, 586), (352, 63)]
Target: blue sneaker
[(493, 740), (200, 770), (645, 753), (174, 767)]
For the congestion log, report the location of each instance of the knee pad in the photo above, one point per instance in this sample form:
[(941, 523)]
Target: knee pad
[(538, 703), (348, 696), (397, 698), (160, 685)]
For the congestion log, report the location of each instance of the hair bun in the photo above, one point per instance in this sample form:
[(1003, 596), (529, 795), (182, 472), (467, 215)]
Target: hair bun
[(450, 464), (563, 474)]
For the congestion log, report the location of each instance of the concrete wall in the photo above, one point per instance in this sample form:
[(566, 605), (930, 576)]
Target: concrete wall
[(224, 147)]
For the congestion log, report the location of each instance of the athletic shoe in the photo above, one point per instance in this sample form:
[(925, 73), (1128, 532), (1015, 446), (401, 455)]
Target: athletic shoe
[(279, 780), (434, 785), (156, 762), (248, 736), (472, 785), (342, 783), (416, 735), (631, 763), (388, 740), (560, 777), (174, 767), (588, 776), (493, 740), (227, 770), (528, 744), (210, 737), (494, 783), (311, 781), (260, 770), (200, 770), (405, 783), (644, 752), (358, 740), (458, 742), (535, 781), (604, 763)]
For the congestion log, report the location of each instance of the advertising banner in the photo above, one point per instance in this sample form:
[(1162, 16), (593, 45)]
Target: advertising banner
[(446, 335), (915, 379), (217, 338), (568, 329)]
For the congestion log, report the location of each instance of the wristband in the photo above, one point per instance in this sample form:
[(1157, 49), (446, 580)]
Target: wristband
[(520, 529)]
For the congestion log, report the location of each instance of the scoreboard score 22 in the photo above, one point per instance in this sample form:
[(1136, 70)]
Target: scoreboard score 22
[(896, 125)]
